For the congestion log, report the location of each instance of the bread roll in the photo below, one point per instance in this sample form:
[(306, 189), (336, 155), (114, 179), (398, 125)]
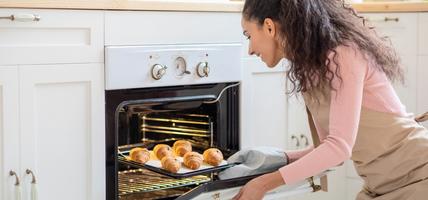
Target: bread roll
[(141, 155), (192, 160), (213, 156), (170, 164), (181, 147), (162, 150)]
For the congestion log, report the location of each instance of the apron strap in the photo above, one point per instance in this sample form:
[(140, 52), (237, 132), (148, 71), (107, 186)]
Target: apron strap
[(317, 142), (422, 118)]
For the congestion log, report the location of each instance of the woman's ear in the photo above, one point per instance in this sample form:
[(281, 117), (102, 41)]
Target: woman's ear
[(269, 26)]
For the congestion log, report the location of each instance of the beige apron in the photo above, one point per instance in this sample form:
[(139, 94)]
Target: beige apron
[(390, 153)]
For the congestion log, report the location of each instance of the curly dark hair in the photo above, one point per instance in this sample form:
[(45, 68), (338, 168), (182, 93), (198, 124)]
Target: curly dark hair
[(311, 29)]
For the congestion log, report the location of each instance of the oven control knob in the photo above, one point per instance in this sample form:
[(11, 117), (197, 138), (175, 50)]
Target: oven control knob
[(202, 69), (158, 71), (180, 62)]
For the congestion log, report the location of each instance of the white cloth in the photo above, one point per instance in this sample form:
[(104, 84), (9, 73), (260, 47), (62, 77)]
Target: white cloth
[(253, 161)]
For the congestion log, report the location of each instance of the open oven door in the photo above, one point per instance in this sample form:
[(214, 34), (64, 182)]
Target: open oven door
[(227, 189)]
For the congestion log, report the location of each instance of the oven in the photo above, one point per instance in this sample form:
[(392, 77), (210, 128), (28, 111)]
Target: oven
[(158, 94), (161, 94)]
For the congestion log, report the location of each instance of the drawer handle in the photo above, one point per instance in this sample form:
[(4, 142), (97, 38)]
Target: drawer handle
[(386, 19), (23, 18), (396, 19)]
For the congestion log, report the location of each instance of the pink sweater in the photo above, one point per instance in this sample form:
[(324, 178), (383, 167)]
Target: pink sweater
[(363, 85)]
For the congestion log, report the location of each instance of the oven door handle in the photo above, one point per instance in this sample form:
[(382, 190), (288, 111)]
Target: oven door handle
[(200, 98), (216, 99)]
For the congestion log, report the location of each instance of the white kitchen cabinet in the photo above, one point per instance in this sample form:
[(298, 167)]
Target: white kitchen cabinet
[(299, 134), (9, 130), (264, 105), (423, 32), (407, 92), (422, 86), (62, 131), (402, 30), (60, 36), (52, 103)]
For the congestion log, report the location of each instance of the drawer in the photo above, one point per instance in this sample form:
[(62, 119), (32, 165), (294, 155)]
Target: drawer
[(423, 34), (154, 27), (60, 36), (401, 28)]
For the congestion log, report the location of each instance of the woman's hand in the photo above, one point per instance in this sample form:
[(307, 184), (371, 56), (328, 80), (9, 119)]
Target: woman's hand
[(258, 187), (253, 190)]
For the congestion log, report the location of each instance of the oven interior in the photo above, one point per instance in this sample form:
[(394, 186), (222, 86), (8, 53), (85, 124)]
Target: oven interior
[(165, 120)]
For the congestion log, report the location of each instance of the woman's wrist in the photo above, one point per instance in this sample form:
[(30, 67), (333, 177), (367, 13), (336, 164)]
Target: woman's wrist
[(272, 181)]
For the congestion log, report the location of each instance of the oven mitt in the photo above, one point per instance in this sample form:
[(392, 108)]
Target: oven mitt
[(253, 161)]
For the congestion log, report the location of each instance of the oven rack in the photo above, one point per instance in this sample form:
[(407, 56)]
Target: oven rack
[(122, 159), (141, 181)]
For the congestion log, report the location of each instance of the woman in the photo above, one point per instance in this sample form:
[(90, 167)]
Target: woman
[(343, 70)]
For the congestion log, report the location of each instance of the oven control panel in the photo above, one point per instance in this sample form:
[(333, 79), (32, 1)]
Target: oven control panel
[(171, 65)]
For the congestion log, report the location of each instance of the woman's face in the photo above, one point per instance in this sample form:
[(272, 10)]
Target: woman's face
[(264, 41)]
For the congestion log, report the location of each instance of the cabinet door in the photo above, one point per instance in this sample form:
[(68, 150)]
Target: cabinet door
[(423, 32), (9, 130), (407, 91), (422, 86), (402, 30), (60, 36), (299, 135), (62, 131), (264, 105)]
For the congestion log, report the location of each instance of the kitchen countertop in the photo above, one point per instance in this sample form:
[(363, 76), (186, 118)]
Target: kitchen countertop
[(186, 5)]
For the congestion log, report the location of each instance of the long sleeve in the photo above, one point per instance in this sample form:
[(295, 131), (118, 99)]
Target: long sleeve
[(345, 107)]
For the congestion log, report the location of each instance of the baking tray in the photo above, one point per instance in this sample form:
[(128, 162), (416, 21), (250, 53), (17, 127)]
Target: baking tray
[(154, 165)]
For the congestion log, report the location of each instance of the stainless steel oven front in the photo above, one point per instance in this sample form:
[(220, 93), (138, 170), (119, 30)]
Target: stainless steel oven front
[(160, 94)]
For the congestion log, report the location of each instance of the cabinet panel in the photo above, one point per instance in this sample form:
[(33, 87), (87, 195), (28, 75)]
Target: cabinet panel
[(401, 28), (264, 105), (9, 130), (422, 85), (423, 32), (61, 36), (135, 28), (407, 91), (62, 109), (299, 135)]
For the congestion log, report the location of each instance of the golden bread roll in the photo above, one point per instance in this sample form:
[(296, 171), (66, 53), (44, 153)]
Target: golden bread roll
[(193, 160), (170, 164), (181, 147), (141, 155), (213, 156), (162, 150)]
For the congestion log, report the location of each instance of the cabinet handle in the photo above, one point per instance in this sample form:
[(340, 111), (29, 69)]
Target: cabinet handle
[(385, 19), (297, 140), (33, 184), (12, 173), (22, 17), (303, 137), (17, 185)]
